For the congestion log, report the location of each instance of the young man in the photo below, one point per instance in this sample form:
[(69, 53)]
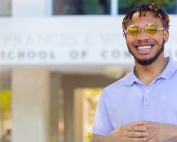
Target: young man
[(142, 105)]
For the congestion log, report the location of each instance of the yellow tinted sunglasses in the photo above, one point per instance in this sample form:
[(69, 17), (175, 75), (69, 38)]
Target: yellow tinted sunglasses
[(151, 29)]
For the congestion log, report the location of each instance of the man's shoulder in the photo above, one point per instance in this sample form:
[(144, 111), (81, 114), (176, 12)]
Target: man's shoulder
[(171, 68), (115, 89)]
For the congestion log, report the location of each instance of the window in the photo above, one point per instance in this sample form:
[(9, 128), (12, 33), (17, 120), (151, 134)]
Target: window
[(169, 6), (5, 7), (81, 7)]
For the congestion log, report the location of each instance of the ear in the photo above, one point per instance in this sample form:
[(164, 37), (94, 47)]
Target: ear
[(166, 35), (125, 35)]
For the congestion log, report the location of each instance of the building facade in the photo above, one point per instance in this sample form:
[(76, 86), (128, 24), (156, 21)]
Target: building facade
[(50, 51)]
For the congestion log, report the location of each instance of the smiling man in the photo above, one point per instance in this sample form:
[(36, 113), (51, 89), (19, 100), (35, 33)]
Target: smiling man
[(142, 105)]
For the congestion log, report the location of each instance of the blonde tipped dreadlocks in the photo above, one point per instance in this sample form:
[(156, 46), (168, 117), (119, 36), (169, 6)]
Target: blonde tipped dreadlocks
[(142, 9)]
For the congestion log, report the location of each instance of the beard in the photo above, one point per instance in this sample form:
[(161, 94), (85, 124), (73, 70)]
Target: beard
[(146, 62)]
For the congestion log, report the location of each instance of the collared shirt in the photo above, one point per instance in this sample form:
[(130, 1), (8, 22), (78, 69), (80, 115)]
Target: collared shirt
[(129, 100)]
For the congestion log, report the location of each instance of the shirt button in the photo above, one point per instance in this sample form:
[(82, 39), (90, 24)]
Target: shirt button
[(147, 91)]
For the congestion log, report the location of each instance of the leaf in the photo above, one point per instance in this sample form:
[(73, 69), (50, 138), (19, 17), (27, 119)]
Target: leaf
[(5, 100)]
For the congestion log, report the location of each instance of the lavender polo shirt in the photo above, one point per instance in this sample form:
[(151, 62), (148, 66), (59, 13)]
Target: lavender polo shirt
[(129, 100)]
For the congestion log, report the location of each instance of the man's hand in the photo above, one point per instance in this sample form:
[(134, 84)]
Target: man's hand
[(159, 132), (134, 132)]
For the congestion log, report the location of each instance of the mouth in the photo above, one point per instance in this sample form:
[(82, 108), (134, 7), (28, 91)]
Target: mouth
[(143, 48)]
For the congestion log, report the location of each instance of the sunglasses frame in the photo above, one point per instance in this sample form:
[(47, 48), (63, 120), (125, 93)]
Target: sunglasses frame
[(159, 29)]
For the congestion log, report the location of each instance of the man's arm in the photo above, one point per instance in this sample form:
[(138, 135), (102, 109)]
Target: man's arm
[(97, 138), (129, 132)]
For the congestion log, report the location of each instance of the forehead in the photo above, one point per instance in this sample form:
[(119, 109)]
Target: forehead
[(144, 20)]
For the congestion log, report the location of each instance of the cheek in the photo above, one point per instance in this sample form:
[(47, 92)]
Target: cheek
[(129, 41), (158, 38)]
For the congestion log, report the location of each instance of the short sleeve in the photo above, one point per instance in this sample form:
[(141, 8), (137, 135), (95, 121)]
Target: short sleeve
[(102, 124)]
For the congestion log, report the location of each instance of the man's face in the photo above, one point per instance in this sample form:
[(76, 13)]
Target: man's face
[(155, 43)]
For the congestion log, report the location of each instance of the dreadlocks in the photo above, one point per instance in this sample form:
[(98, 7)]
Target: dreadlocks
[(142, 9)]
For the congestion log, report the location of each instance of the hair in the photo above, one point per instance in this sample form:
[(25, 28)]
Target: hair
[(142, 9)]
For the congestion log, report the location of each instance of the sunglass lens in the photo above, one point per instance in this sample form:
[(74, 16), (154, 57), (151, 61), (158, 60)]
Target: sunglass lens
[(151, 29), (133, 31)]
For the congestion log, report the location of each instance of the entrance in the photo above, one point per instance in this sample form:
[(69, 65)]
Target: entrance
[(52, 105), (76, 122)]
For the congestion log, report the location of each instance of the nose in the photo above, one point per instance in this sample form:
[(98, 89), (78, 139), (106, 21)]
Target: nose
[(142, 36)]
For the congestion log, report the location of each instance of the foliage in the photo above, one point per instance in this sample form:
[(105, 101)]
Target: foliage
[(164, 4), (94, 6), (92, 95), (5, 102), (89, 138)]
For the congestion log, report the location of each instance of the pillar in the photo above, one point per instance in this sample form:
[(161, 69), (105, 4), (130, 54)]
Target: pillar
[(31, 105), (78, 126), (68, 114), (54, 106)]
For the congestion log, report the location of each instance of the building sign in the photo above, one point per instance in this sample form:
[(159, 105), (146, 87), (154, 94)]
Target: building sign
[(68, 40)]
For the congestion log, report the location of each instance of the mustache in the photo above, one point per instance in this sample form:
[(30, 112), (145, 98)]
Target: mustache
[(143, 43)]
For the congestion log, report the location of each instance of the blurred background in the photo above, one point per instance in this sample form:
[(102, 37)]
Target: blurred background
[(56, 56)]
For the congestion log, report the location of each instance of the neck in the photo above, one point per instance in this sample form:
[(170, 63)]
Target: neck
[(147, 74)]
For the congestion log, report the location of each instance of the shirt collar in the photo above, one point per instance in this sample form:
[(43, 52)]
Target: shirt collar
[(170, 69), (167, 73), (131, 78)]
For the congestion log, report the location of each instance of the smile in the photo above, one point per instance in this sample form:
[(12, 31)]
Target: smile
[(144, 47)]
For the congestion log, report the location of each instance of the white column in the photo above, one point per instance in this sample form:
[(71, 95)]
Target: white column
[(114, 7), (27, 8), (55, 84), (31, 105), (78, 125)]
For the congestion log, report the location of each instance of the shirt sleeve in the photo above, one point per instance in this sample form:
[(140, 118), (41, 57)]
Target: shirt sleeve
[(102, 124)]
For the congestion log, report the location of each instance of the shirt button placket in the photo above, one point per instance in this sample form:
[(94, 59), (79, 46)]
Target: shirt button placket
[(146, 104), (146, 98)]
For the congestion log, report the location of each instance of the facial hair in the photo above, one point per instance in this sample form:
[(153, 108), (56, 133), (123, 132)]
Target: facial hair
[(146, 62)]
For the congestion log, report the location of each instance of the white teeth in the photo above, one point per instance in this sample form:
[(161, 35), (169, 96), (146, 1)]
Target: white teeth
[(144, 47)]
